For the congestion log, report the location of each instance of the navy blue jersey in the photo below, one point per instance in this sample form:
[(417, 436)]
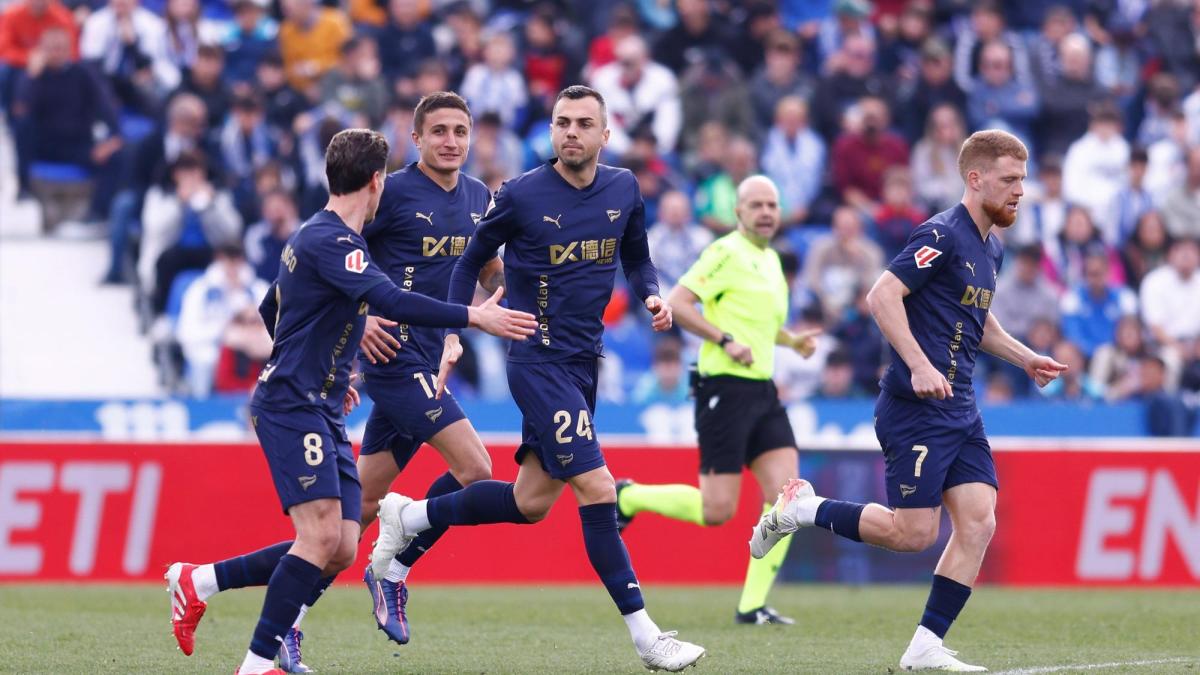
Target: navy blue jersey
[(418, 233), (324, 273), (561, 246), (951, 273)]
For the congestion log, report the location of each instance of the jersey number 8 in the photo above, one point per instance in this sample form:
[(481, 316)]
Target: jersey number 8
[(313, 452)]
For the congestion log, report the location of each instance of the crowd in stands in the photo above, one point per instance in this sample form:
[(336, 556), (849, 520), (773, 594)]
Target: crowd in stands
[(195, 129)]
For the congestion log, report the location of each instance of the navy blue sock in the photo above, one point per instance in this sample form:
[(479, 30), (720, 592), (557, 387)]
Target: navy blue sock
[(319, 589), (609, 557), (488, 501), (946, 600), (840, 518), (291, 584), (252, 569), (444, 485)]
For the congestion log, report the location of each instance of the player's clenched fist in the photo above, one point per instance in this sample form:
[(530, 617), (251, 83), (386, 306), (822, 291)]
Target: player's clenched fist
[(490, 317), (927, 382), (662, 313)]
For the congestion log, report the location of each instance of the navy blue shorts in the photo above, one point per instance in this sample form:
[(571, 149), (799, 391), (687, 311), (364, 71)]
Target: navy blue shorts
[(406, 414), (557, 400), (310, 458), (929, 450)]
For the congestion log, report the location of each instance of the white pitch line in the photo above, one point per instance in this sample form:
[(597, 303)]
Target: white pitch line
[(1089, 666)]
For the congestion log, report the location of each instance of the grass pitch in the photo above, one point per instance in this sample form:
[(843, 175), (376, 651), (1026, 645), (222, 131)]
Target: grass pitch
[(471, 629)]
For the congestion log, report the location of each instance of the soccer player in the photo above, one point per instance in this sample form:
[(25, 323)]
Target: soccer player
[(932, 306), (739, 419), (316, 310), (428, 213), (563, 226)]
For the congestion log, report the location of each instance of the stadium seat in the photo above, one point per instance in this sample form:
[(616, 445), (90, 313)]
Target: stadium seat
[(802, 237)]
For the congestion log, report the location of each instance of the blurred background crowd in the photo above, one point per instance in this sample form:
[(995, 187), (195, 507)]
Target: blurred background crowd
[(191, 134)]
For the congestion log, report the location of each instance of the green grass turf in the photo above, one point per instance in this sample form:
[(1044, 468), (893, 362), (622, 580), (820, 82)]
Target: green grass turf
[(471, 629)]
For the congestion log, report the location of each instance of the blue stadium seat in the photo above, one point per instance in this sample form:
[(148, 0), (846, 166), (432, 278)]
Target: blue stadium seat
[(178, 287), (53, 172), (802, 237)]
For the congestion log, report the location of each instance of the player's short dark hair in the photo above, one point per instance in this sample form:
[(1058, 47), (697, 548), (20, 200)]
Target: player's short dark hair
[(576, 92), (1139, 155), (983, 148), (352, 159), (437, 101)]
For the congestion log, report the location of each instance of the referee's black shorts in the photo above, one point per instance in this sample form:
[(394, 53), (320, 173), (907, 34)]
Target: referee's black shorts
[(738, 419)]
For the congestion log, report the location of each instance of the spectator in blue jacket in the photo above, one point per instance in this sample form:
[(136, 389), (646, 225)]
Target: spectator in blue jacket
[(1092, 309)]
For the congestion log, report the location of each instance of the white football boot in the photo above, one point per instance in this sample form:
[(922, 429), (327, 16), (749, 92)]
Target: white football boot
[(670, 654), (795, 508), (926, 652), (392, 537)]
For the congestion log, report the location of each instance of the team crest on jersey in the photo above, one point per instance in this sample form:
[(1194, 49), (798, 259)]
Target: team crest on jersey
[(925, 256), (906, 490), (613, 214), (356, 261), (476, 217)]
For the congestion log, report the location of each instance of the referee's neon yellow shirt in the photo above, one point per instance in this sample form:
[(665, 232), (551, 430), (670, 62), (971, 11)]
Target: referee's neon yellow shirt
[(745, 294)]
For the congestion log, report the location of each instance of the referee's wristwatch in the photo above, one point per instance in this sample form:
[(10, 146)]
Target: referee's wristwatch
[(726, 338)]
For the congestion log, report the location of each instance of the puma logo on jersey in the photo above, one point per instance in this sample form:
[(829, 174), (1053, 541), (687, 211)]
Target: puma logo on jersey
[(348, 239), (632, 584), (426, 218), (548, 219), (925, 256), (613, 214), (476, 218), (970, 266), (937, 237)]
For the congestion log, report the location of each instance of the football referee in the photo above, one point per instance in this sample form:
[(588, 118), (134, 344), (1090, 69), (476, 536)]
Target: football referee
[(739, 419)]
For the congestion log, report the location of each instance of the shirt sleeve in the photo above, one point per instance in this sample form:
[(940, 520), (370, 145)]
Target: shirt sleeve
[(928, 249), (710, 275), (342, 261), (635, 252), (496, 228), (268, 309)]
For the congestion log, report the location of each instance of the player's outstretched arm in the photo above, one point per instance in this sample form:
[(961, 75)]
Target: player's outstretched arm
[(997, 342), (420, 310), (683, 300), (886, 300)]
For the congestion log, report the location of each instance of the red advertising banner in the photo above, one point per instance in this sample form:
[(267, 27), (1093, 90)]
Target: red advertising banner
[(121, 512), (115, 512), (1111, 518)]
